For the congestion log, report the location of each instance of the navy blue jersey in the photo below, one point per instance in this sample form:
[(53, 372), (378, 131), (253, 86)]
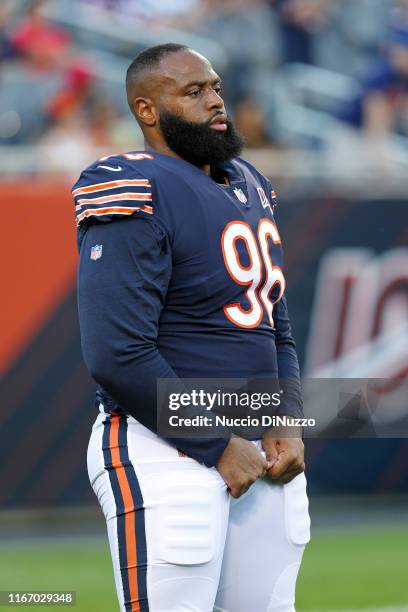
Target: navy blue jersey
[(179, 276)]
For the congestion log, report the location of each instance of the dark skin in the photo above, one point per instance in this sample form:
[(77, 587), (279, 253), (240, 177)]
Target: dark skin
[(184, 83)]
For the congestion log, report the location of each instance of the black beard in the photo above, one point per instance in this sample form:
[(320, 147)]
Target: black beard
[(198, 143)]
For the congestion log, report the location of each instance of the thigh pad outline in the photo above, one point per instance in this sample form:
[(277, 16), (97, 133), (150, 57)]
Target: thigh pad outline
[(297, 519), (188, 522)]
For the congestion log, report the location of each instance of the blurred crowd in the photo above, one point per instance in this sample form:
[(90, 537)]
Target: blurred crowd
[(291, 68)]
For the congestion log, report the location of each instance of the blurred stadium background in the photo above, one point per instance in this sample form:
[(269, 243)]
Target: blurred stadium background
[(319, 88)]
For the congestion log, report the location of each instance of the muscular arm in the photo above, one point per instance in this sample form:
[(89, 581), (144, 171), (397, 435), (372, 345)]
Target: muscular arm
[(120, 298)]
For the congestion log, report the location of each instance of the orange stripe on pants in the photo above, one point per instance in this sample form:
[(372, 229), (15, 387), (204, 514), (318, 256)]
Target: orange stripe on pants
[(130, 532)]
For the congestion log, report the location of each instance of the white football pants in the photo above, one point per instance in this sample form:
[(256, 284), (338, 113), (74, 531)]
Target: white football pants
[(179, 541)]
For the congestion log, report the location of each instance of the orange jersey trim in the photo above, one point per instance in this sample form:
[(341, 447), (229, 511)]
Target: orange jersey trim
[(114, 210), (117, 198), (111, 185)]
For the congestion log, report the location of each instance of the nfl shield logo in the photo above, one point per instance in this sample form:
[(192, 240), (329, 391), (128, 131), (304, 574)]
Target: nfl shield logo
[(96, 252), (240, 195)]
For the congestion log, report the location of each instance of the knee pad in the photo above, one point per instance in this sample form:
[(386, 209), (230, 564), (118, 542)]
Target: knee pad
[(283, 596)]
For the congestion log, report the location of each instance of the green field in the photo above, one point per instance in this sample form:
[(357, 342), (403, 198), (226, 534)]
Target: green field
[(355, 569), (348, 569)]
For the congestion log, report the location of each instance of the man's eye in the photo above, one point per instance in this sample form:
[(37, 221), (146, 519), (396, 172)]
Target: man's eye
[(194, 93), (218, 89)]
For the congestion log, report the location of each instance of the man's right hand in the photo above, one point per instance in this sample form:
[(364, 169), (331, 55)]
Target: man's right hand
[(240, 465)]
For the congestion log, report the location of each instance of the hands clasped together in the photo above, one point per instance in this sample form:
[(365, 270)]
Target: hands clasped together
[(241, 463)]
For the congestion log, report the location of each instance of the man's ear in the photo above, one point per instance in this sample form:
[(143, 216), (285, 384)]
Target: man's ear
[(145, 111)]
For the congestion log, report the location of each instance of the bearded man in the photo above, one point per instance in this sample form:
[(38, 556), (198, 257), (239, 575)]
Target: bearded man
[(180, 276)]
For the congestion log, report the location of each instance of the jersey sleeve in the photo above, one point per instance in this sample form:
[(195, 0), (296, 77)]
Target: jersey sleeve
[(288, 365), (110, 190), (123, 276)]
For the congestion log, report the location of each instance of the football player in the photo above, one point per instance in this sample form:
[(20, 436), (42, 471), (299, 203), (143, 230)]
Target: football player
[(180, 276)]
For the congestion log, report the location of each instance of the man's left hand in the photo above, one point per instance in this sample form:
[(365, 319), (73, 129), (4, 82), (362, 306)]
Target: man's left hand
[(287, 455)]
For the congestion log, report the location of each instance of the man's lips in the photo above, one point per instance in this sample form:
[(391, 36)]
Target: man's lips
[(219, 123)]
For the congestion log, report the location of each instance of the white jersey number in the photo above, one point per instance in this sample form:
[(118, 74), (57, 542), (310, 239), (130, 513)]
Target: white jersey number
[(258, 294)]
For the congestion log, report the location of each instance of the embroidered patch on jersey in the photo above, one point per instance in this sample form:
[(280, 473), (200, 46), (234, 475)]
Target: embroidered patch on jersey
[(111, 168), (274, 199), (240, 195), (96, 252), (262, 196), (138, 156)]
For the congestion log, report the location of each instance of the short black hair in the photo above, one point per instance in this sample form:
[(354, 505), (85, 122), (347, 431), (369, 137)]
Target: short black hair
[(147, 60)]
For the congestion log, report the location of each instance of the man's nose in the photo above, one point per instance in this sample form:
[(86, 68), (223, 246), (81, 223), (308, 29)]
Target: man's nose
[(214, 100)]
